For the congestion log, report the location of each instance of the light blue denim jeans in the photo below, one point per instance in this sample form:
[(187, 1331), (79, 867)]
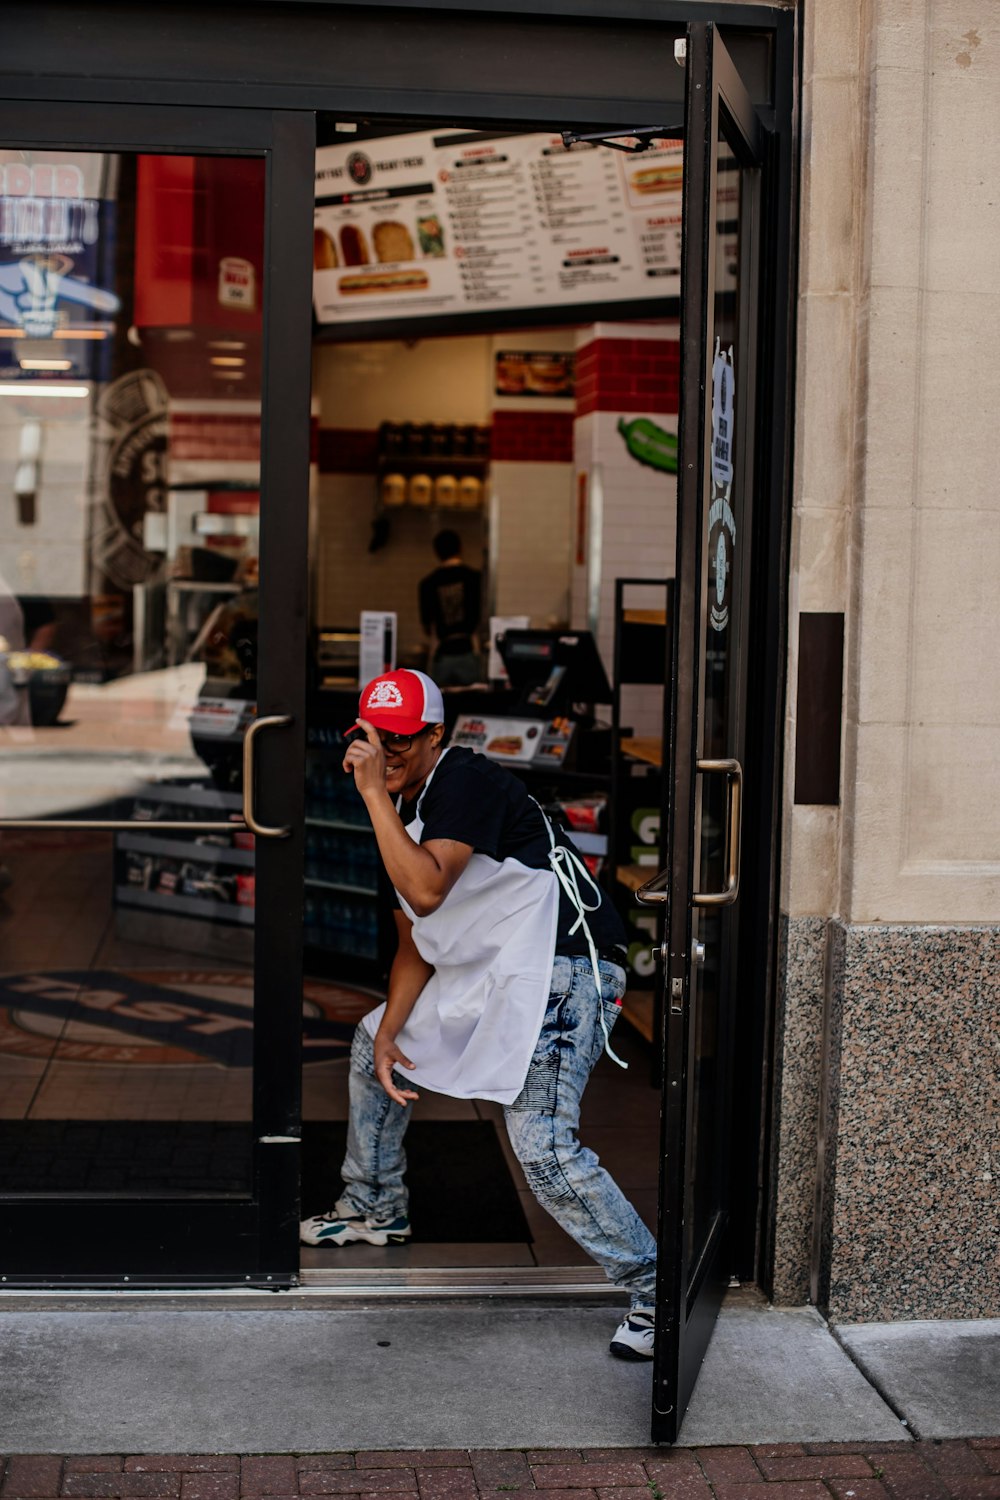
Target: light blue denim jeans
[(542, 1123)]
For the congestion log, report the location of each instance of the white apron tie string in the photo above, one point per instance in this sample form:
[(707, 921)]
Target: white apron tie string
[(568, 867)]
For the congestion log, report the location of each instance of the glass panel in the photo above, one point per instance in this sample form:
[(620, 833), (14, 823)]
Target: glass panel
[(722, 536), (130, 379)]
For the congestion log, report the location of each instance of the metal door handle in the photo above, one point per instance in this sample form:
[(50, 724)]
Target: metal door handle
[(733, 771), (270, 721), (656, 892)]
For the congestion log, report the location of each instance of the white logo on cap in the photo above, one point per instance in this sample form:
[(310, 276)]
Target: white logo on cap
[(385, 695)]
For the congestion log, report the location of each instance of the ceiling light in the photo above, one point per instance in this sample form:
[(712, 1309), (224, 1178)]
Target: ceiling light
[(40, 388), (229, 374), (229, 360), (82, 333), (227, 343), (46, 364)]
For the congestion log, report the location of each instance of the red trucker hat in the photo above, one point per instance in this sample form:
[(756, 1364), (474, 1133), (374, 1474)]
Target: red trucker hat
[(402, 702)]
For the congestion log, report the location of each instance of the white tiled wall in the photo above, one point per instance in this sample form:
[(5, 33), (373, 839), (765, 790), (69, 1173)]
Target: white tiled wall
[(48, 557), (349, 578), (532, 536), (636, 537)]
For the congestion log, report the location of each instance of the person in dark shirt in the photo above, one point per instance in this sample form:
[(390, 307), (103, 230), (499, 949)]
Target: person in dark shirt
[(450, 607), (508, 978)]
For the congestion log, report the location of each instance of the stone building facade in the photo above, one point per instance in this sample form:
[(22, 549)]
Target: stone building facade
[(886, 1203)]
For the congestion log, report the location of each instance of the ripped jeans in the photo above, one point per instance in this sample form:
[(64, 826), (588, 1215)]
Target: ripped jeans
[(565, 1177)]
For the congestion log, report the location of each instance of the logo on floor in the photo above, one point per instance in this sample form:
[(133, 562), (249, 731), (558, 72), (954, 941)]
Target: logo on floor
[(157, 1017)]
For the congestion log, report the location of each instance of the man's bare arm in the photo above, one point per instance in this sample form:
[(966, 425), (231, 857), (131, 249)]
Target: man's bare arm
[(423, 874), (407, 977)]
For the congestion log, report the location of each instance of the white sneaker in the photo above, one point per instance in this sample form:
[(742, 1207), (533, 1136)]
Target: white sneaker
[(635, 1335), (341, 1226)]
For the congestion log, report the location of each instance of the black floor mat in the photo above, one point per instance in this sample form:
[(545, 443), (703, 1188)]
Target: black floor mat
[(461, 1189)]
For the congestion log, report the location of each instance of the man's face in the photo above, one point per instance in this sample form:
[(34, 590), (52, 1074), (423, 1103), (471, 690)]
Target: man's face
[(410, 759)]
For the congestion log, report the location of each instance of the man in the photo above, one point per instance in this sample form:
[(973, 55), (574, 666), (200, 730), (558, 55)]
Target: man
[(450, 605), (507, 981)]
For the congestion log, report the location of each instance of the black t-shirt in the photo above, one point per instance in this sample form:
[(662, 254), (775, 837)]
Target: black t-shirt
[(475, 801), (450, 601)]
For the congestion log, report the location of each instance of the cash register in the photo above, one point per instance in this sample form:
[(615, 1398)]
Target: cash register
[(552, 673)]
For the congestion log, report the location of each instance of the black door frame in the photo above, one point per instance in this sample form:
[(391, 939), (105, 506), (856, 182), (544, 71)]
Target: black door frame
[(253, 1240), (267, 55), (690, 1291)]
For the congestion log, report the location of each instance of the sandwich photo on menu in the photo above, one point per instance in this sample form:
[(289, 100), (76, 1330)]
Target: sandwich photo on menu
[(383, 281), (392, 242), (353, 246)]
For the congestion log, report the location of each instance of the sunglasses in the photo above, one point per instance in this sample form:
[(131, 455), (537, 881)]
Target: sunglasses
[(399, 744)]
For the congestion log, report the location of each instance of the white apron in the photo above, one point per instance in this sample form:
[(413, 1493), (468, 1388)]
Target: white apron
[(474, 1027)]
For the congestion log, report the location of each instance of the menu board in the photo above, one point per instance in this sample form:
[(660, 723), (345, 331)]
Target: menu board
[(427, 224)]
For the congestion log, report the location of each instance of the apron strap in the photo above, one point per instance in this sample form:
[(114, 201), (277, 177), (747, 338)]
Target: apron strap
[(568, 867)]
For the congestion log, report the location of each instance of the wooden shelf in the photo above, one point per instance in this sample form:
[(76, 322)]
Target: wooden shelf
[(435, 463), (644, 617), (637, 1010), (648, 749), (633, 876)]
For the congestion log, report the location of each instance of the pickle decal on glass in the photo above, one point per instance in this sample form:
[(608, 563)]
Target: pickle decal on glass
[(650, 444)]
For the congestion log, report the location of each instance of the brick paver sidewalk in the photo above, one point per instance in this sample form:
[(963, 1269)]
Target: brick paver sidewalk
[(960, 1470)]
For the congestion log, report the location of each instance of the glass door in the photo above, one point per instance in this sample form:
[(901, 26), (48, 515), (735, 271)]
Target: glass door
[(699, 887), (155, 325)]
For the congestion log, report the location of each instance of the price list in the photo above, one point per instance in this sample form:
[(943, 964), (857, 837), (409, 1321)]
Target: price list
[(472, 223)]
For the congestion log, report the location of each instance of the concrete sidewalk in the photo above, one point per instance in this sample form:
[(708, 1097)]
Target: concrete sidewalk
[(302, 1376)]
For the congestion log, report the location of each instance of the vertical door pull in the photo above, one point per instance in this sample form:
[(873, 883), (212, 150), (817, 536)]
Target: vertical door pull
[(270, 721), (655, 892), (733, 772)]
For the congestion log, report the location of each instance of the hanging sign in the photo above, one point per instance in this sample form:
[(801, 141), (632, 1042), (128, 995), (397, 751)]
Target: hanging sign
[(723, 409), (427, 224), (377, 653), (721, 521), (237, 283), (51, 225)]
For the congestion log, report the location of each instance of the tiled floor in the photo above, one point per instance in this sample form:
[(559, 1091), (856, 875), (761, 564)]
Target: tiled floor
[(60, 1063)]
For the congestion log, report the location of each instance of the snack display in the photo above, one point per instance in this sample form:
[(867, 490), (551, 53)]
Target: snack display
[(470, 493), (421, 489), (446, 491), (392, 241), (393, 489)]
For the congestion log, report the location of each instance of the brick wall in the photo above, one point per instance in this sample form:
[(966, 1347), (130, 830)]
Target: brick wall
[(347, 450), (634, 374), (532, 437), (214, 436)]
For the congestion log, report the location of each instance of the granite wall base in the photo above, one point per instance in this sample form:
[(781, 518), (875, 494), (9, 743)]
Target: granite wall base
[(913, 1217), (802, 967)]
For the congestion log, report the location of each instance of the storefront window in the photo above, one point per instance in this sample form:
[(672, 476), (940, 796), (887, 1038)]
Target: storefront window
[(130, 389)]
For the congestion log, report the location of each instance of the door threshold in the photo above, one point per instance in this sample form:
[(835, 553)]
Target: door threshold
[(341, 1289), (426, 1282)]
